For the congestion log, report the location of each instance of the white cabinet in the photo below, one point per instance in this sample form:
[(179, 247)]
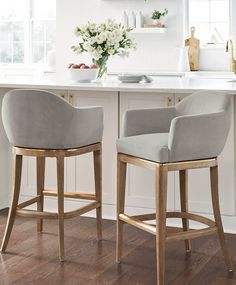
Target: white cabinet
[(140, 190)]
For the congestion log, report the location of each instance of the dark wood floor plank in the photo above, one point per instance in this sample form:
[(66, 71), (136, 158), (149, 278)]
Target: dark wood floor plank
[(32, 258)]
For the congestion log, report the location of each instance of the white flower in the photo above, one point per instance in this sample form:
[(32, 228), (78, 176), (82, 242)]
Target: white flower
[(110, 51), (96, 55), (101, 38), (92, 40), (116, 46), (87, 45), (92, 27), (99, 49), (101, 28), (118, 34), (113, 38), (124, 53)]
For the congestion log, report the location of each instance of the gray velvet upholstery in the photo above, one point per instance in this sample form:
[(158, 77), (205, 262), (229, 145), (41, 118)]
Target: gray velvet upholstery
[(40, 119), (196, 128)]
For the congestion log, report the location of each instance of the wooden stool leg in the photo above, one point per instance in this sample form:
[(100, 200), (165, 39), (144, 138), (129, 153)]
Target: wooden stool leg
[(40, 187), (97, 157), (161, 201), (14, 202), (121, 180), (216, 210), (60, 189), (183, 183)]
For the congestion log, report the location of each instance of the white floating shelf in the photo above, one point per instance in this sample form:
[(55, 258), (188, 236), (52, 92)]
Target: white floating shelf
[(149, 30)]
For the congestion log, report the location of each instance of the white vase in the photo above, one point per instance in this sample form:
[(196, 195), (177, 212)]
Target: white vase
[(124, 20), (139, 20), (132, 20), (183, 65)]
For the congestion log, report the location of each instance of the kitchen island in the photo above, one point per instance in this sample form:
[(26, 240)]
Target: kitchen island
[(165, 84), (116, 98)]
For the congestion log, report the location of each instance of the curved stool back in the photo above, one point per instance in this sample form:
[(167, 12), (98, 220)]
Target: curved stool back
[(40, 119)]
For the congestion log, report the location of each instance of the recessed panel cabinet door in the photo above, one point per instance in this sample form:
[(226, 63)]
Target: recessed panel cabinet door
[(199, 179), (80, 176), (140, 191)]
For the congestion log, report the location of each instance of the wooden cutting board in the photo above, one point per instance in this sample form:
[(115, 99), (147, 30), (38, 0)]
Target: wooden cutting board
[(194, 51)]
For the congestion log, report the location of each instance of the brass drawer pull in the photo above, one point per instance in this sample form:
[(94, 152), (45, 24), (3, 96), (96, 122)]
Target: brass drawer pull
[(168, 101), (71, 99), (63, 95), (179, 99)]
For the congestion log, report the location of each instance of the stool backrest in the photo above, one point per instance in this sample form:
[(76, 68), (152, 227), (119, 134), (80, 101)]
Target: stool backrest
[(201, 126), (40, 119), (203, 102)]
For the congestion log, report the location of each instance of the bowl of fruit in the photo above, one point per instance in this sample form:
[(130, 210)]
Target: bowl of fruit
[(82, 72)]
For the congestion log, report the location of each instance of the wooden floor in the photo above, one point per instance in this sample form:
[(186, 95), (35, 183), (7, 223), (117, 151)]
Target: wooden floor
[(33, 258)]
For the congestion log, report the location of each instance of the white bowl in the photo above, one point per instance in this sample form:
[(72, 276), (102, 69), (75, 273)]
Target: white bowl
[(82, 75)]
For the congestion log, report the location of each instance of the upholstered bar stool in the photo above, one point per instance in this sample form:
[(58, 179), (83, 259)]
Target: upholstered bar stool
[(41, 124), (188, 136)]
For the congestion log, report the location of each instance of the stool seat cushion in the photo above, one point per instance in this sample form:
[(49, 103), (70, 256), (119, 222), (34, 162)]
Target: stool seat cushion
[(152, 147)]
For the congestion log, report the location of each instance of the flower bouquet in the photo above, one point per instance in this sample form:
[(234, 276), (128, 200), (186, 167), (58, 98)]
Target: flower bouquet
[(102, 41)]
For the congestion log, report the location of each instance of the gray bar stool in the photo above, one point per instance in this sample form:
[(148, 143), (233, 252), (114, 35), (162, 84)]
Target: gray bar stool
[(41, 124), (188, 136)]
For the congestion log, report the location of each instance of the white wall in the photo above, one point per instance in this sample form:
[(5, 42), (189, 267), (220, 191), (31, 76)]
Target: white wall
[(154, 53)]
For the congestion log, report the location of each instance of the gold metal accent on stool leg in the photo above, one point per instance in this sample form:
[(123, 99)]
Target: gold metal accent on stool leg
[(14, 202)]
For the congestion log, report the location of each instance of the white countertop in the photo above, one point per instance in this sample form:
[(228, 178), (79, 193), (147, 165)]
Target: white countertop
[(165, 84)]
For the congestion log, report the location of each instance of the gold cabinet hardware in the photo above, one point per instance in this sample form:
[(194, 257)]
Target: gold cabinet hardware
[(168, 101), (71, 99), (179, 99), (63, 95)]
